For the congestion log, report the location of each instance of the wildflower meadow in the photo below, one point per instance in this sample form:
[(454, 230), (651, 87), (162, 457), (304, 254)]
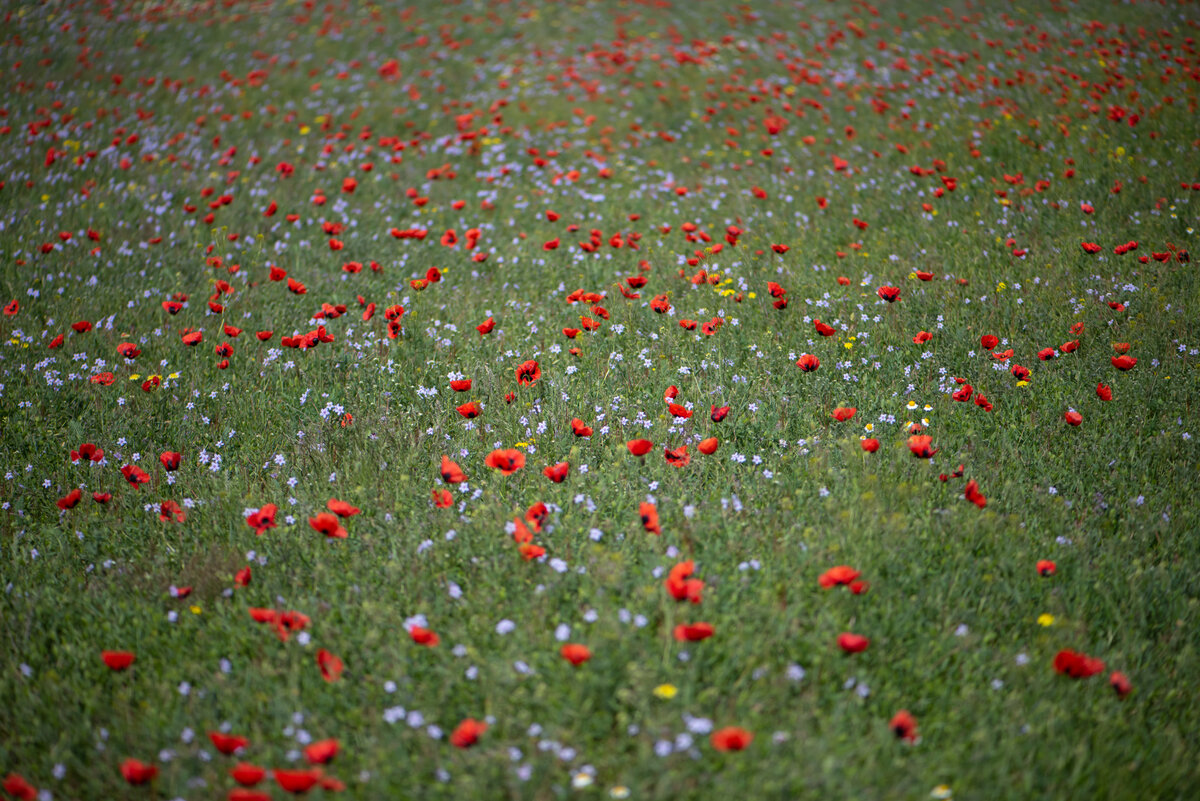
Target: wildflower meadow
[(647, 399)]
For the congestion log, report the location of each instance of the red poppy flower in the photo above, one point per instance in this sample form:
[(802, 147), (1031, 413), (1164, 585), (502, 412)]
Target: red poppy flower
[(575, 653), (467, 733), (844, 413), (244, 794), (451, 472), (423, 636), (169, 511), (904, 726), (170, 460), (693, 632), (329, 525), (70, 500), (838, 576), (921, 446), (557, 472), (1077, 665), (681, 412), (1104, 392), (1123, 362), (528, 373), (823, 329), (924, 276), (649, 515), (529, 551), (922, 337), (580, 429), (321, 752), (870, 444), (852, 643), (117, 660), (678, 457), (463, 385), (639, 447), (137, 772), (297, 781), (971, 493), (681, 585), (442, 498), (81, 327), (242, 577), (15, 784), (718, 414), (1073, 417), (263, 519), (1120, 684), (486, 326), (730, 738), (128, 350), (248, 775), (330, 665), (101, 497), (1020, 373), (1046, 568), (12, 307), (341, 508), (989, 342), (1046, 354), (227, 743), (889, 293), (507, 461), (808, 363), (708, 446)]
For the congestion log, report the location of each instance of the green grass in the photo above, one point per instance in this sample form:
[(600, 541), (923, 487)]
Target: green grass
[(953, 605)]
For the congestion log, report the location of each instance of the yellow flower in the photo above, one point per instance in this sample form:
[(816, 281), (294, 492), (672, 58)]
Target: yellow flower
[(1022, 383), (666, 691), (1045, 619), (194, 609), (869, 427), (912, 405), (941, 792), (620, 791)]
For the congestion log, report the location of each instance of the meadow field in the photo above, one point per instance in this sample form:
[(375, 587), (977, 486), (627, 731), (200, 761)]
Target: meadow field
[(647, 399)]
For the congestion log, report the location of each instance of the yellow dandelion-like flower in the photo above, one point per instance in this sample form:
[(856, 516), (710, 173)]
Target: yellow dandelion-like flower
[(1022, 383), (1046, 620), (666, 691), (195, 610)]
